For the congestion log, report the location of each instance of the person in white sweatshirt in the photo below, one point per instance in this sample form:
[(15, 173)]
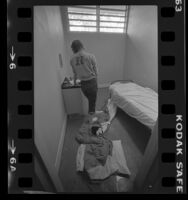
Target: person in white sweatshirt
[(84, 67)]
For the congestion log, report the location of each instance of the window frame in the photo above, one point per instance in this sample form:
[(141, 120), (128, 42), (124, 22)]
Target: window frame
[(98, 15)]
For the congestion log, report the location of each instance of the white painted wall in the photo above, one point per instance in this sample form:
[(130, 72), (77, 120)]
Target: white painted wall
[(109, 50), (49, 111), (141, 55)]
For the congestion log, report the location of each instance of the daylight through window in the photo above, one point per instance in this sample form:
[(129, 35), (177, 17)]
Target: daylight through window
[(112, 19)]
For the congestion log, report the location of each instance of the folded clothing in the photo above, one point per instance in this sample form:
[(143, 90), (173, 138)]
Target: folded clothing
[(115, 163)]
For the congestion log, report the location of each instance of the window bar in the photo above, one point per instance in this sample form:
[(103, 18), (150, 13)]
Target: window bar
[(127, 19), (112, 15), (98, 7), (84, 26), (82, 6), (83, 20), (67, 16), (111, 9), (75, 13), (98, 18)]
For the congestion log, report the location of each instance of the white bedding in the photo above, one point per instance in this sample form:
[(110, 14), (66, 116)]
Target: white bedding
[(137, 101)]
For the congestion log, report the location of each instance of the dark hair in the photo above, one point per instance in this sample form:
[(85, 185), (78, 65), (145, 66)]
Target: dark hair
[(76, 46)]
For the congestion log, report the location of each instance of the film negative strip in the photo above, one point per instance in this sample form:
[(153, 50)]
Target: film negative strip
[(30, 170)]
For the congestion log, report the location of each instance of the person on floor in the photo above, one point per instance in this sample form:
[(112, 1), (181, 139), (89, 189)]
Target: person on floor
[(84, 67)]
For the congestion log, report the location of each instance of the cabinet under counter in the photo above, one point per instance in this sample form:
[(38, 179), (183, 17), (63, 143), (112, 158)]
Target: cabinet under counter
[(75, 102)]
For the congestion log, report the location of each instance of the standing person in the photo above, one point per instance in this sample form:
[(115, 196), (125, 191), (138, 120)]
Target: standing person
[(84, 68)]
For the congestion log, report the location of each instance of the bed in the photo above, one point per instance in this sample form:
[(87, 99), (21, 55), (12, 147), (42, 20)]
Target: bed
[(137, 101)]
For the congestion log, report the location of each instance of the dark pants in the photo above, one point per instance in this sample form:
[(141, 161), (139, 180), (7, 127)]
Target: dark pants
[(89, 89)]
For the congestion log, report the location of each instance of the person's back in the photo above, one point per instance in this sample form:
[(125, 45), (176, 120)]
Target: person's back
[(84, 65), (85, 68)]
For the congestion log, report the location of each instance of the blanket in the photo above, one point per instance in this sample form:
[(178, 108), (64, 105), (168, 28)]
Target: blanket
[(97, 148), (115, 164)]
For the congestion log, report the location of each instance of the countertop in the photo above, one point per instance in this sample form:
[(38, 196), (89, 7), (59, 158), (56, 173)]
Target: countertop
[(69, 85)]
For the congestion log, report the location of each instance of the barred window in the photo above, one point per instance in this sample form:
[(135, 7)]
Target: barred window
[(112, 19)]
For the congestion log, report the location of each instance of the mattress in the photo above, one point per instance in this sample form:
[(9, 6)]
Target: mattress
[(137, 101)]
